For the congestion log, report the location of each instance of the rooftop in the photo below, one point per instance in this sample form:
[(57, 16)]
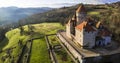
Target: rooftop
[(85, 25), (81, 26)]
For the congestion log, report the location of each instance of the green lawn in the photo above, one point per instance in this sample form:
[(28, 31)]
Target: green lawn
[(61, 54), (39, 52)]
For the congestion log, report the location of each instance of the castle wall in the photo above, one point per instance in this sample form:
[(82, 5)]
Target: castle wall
[(71, 49), (79, 37), (89, 39), (85, 38), (107, 39), (68, 31)]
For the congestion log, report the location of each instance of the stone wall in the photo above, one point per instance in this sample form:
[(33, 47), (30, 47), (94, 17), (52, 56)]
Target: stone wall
[(79, 37), (89, 39), (68, 30), (85, 38), (71, 49)]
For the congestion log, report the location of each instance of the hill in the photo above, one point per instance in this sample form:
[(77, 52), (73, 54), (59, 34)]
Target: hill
[(62, 15), (13, 14), (108, 14)]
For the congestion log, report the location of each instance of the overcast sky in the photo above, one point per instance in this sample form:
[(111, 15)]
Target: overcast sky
[(49, 3)]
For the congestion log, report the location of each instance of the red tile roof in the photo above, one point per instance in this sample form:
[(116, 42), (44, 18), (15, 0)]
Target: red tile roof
[(81, 26), (85, 25), (89, 28)]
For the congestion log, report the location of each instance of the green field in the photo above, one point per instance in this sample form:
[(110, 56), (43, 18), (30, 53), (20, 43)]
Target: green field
[(11, 41), (39, 52), (94, 13), (61, 54)]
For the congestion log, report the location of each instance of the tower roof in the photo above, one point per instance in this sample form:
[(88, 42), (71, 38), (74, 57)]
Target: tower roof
[(85, 25), (81, 26), (81, 9)]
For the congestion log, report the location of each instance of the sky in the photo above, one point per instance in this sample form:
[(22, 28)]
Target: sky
[(49, 3)]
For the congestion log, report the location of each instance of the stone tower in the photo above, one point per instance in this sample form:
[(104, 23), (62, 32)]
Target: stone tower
[(81, 14)]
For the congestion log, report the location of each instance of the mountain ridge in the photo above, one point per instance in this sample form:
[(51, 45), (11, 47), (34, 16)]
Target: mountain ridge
[(13, 14)]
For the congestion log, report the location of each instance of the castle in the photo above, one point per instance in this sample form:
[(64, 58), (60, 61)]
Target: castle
[(88, 41), (85, 31)]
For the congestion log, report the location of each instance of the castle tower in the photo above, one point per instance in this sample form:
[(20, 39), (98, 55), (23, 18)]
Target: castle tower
[(85, 34), (70, 27), (81, 14)]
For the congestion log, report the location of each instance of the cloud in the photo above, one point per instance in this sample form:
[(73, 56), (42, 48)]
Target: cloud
[(49, 3), (106, 1), (64, 4), (59, 4)]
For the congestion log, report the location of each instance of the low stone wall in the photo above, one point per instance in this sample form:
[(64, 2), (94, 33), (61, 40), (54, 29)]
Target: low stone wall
[(50, 50), (75, 53), (67, 50)]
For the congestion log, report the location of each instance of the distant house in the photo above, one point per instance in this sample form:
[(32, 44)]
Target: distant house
[(85, 31)]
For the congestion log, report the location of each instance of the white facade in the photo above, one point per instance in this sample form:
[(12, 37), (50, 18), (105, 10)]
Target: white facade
[(79, 36), (68, 30), (89, 38), (107, 39), (85, 38)]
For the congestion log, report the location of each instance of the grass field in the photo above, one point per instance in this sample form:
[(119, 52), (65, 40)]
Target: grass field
[(39, 52), (94, 13), (61, 54), (11, 41)]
